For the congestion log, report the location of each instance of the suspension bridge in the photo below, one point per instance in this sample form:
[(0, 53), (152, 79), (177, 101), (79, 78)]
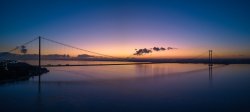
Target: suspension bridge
[(46, 52)]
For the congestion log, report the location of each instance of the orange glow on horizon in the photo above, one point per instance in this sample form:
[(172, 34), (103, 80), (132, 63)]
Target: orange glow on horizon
[(127, 50)]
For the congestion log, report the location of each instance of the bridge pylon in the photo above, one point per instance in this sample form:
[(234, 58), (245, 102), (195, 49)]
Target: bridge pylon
[(210, 58)]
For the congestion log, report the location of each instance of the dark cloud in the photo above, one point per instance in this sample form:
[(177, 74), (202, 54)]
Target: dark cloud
[(163, 49), (171, 48), (159, 48), (142, 51), (156, 49), (147, 51)]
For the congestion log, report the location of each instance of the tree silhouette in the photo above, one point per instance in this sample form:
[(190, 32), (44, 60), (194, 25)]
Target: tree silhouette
[(23, 49)]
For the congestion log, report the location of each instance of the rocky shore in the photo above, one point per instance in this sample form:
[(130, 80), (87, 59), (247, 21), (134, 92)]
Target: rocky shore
[(19, 71)]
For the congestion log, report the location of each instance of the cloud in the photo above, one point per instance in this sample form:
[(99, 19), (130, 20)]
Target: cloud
[(159, 48), (162, 48), (156, 49), (143, 51), (171, 48)]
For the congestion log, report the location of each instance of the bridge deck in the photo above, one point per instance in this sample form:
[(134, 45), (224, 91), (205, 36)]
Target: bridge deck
[(97, 64)]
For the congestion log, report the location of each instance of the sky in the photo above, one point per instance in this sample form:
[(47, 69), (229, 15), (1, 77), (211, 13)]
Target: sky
[(118, 27)]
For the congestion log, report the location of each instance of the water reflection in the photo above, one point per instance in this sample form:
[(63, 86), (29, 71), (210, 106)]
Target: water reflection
[(117, 73), (152, 70), (39, 96), (167, 87), (210, 71), (160, 70), (39, 83)]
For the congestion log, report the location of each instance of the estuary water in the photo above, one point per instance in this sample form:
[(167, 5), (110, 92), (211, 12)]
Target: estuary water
[(134, 88)]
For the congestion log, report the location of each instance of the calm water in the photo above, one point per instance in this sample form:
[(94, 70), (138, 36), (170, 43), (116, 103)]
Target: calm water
[(149, 87)]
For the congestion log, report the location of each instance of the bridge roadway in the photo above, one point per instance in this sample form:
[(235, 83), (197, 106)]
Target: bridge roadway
[(59, 65)]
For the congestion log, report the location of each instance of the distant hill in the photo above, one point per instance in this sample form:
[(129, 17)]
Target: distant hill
[(11, 56), (6, 55)]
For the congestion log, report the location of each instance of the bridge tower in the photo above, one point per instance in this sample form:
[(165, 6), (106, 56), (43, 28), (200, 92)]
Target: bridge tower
[(210, 58), (210, 67), (39, 52), (39, 61)]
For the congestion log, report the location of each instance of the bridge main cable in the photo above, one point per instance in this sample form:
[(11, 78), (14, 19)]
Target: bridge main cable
[(17, 47), (80, 48), (23, 45)]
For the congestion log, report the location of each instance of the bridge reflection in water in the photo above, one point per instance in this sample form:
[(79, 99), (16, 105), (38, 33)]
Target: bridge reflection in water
[(210, 71)]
